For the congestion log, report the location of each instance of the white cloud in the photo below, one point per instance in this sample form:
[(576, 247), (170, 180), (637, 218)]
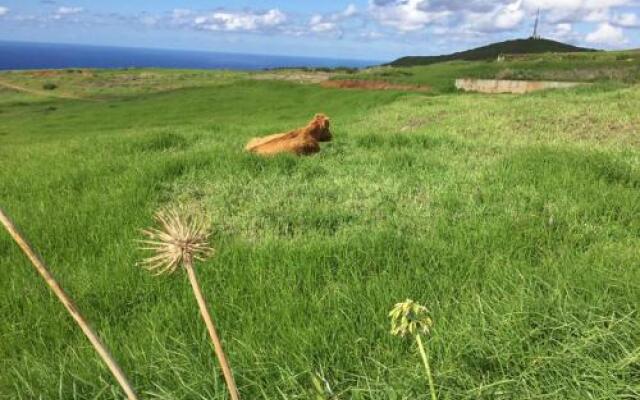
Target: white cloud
[(597, 15), (180, 13), (3, 11), (319, 25), (350, 11), (69, 10), (331, 23), (64, 12), (405, 15), (627, 20), (455, 23), (574, 4), (371, 35), (231, 21), (510, 16), (488, 15), (149, 20), (502, 17), (607, 34), (563, 11), (563, 32)]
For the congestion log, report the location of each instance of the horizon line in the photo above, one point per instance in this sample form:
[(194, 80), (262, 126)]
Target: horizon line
[(191, 50)]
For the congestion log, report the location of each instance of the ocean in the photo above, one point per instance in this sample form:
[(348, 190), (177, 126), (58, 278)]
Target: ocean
[(22, 55)]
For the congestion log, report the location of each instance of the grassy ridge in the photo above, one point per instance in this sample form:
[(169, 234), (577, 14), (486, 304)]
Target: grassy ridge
[(513, 218), (117, 83), (492, 51), (598, 67)]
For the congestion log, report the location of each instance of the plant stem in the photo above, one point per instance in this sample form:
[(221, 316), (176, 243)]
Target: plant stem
[(66, 301), (425, 360), (217, 345)]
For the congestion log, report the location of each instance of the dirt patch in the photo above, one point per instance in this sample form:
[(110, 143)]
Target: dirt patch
[(510, 86), (47, 73), (52, 73), (372, 85), (294, 76)]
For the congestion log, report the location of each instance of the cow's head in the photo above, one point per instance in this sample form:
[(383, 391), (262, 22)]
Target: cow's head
[(319, 128)]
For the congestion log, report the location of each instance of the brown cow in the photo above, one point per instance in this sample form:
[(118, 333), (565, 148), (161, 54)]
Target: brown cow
[(299, 141)]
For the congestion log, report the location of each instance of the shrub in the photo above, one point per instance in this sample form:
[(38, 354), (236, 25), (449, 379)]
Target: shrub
[(49, 86)]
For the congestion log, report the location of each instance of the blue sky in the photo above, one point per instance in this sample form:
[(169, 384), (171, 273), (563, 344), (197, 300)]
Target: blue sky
[(364, 29)]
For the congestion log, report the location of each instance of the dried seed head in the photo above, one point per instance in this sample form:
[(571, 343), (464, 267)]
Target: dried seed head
[(181, 237), (410, 318)]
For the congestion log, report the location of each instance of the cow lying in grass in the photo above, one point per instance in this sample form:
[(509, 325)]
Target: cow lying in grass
[(299, 141)]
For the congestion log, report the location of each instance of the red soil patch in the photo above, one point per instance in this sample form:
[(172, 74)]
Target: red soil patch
[(372, 85)]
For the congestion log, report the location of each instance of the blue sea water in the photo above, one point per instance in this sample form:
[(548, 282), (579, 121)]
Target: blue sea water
[(21, 55)]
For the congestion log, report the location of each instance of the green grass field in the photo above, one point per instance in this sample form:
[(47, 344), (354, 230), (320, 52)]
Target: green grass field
[(519, 47), (515, 219), (603, 68)]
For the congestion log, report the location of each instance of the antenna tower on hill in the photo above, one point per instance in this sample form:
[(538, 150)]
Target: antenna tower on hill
[(535, 27)]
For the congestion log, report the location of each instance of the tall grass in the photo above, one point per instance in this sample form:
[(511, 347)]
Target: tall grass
[(43, 270), (517, 214)]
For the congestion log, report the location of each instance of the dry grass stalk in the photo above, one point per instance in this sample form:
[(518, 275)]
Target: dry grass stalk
[(181, 239), (66, 301)]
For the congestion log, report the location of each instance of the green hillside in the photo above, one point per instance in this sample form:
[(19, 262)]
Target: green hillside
[(514, 219), (601, 67), (492, 51)]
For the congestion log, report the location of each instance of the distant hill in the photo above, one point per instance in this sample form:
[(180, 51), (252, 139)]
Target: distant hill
[(492, 51)]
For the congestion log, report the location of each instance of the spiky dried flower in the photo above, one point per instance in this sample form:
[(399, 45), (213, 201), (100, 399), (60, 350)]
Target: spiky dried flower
[(181, 237), (411, 318)]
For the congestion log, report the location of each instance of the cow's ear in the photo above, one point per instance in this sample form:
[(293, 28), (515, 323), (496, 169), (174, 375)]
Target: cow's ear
[(323, 119)]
